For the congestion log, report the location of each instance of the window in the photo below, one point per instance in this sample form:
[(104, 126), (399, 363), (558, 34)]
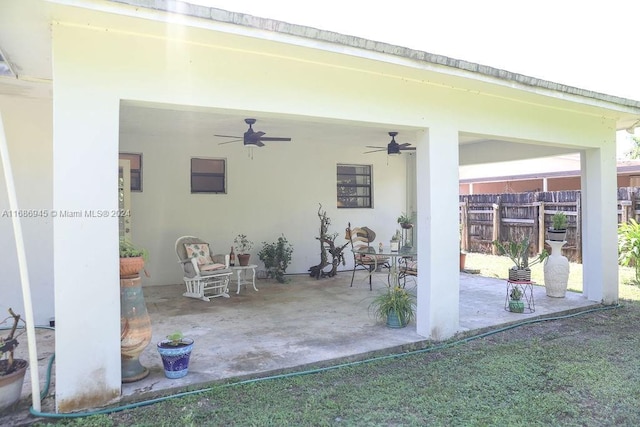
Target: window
[(208, 176), (354, 186), (135, 160)]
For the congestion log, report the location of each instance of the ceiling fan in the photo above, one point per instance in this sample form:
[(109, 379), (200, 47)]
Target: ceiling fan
[(251, 137), (393, 147)]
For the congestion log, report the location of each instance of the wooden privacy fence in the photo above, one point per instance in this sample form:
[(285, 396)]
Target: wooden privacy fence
[(488, 217)]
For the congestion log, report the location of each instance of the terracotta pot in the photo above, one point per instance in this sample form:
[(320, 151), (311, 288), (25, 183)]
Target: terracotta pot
[(131, 267), (243, 259)]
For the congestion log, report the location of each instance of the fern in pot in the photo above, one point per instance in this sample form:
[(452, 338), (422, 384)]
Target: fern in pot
[(396, 307)]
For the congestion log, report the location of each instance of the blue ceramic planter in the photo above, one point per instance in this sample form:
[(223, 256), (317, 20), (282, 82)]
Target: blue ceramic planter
[(175, 359), (393, 321)]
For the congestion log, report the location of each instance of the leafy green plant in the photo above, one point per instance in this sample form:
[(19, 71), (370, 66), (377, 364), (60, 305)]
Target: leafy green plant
[(276, 257), (129, 250), (242, 244), (404, 219), (518, 252), (559, 221), (629, 246), (394, 299), (175, 339)]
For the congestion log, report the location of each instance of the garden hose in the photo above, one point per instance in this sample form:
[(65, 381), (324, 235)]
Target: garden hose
[(32, 411)]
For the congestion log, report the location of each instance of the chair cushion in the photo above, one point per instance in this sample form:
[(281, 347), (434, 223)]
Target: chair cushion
[(373, 258), (211, 267), (412, 265), (200, 251)]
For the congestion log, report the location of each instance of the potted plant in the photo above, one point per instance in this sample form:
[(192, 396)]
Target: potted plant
[(396, 307), (395, 241), (516, 305), (132, 259), (276, 257), (518, 252), (243, 246), (405, 221), (558, 230), (12, 370), (175, 351)]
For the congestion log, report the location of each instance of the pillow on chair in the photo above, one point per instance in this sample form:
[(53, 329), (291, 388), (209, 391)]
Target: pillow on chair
[(200, 251), (211, 267)]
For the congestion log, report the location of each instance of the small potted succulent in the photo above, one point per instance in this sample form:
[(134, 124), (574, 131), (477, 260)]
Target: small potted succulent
[(516, 305), (405, 221), (395, 241), (558, 230), (243, 245), (175, 351), (12, 370)]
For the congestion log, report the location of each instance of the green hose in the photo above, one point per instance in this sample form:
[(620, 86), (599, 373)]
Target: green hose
[(294, 374)]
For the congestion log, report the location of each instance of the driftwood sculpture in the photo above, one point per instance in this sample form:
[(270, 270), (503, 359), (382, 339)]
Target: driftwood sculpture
[(327, 247)]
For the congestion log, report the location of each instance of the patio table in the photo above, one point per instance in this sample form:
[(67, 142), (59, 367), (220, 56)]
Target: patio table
[(395, 258)]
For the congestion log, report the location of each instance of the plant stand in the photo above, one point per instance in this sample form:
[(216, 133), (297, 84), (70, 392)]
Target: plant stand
[(556, 271), (526, 286)]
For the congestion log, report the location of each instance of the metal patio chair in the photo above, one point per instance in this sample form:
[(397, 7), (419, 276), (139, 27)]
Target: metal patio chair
[(361, 238)]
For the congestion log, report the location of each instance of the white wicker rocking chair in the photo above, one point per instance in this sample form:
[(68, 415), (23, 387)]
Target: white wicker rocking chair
[(205, 275)]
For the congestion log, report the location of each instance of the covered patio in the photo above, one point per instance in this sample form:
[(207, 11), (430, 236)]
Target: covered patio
[(162, 79), (303, 324)]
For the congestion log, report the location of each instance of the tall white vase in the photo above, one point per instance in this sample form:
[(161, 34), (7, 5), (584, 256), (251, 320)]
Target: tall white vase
[(556, 271)]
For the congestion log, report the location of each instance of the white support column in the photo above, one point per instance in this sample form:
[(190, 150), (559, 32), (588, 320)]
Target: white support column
[(438, 239), (85, 244), (599, 224)]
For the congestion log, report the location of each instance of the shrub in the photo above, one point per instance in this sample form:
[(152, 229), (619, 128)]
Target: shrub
[(629, 246), (276, 257)]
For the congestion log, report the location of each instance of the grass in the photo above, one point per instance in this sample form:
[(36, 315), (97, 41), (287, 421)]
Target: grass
[(578, 371)]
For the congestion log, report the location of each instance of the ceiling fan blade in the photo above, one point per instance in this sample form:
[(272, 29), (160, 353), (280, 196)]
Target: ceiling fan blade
[(403, 146), (408, 148), (375, 151), (229, 142), (373, 146), (259, 143), (228, 136), (274, 138)]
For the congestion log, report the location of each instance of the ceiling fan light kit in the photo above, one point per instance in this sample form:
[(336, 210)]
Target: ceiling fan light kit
[(252, 138), (393, 148)]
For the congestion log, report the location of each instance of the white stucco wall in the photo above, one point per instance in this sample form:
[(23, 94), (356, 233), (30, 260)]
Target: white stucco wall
[(28, 130), (278, 191)]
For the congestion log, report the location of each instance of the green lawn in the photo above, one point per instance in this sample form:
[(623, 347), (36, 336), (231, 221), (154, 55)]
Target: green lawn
[(497, 266), (582, 370)]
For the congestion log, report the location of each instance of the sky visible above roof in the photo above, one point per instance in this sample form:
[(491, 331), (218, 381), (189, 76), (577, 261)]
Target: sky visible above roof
[(589, 47)]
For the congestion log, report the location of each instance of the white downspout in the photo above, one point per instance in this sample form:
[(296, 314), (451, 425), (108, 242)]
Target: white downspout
[(24, 272)]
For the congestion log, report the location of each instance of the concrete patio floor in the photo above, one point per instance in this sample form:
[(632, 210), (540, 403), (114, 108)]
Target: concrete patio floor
[(281, 327)]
